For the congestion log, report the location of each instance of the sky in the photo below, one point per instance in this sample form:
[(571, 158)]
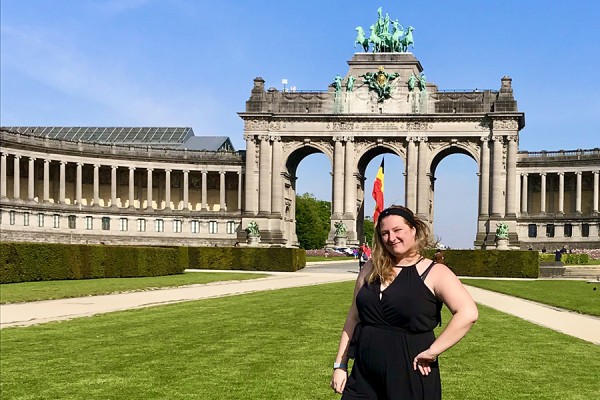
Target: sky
[(191, 63)]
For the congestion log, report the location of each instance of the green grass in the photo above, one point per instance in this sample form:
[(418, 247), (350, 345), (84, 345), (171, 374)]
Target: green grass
[(271, 345), (46, 290), (571, 295)]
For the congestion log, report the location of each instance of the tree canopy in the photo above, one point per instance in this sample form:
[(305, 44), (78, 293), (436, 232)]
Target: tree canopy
[(313, 221)]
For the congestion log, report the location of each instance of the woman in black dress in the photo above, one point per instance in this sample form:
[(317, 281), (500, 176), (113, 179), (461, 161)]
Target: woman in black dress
[(397, 303)]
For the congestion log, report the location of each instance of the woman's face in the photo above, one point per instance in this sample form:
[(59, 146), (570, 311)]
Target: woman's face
[(397, 236)]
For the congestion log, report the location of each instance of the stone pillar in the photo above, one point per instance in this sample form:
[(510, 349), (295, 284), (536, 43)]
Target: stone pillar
[(276, 178), (31, 180), (17, 178), (222, 203), (423, 181), (578, 193), (204, 200), (96, 185), (411, 174), (149, 205), (167, 189), (186, 189), (264, 176), (131, 187), (46, 181), (113, 186), (338, 178), (239, 173), (497, 186), (3, 176), (349, 181), (61, 197), (524, 193), (484, 178), (595, 201), (543, 193), (251, 203), (561, 192), (79, 184), (511, 176)]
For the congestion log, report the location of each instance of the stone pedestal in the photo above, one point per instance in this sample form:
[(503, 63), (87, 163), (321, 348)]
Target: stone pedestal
[(253, 241), (502, 244), (340, 241)]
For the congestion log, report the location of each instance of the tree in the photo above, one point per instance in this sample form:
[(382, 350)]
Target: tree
[(313, 219), (368, 229)]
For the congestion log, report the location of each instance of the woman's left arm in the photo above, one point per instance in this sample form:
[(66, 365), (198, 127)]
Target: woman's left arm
[(448, 288)]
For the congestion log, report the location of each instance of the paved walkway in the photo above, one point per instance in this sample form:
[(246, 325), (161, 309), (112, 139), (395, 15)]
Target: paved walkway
[(25, 314)]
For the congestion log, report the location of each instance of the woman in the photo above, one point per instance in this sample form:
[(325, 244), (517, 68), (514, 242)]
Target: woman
[(397, 303)]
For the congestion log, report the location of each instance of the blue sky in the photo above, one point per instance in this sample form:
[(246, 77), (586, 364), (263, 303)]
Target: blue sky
[(191, 63)]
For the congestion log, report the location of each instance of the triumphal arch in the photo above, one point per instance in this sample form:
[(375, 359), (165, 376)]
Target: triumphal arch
[(384, 104)]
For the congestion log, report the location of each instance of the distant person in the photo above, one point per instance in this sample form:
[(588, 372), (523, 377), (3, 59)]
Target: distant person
[(362, 258), (544, 249), (557, 255), (439, 257), (397, 304)]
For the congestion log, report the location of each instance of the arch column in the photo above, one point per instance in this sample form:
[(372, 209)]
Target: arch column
[(167, 189), (497, 181), (113, 186), (204, 199), (46, 198), (149, 205), (349, 181), (3, 176), (578, 193), (96, 185), (561, 192), (17, 177), (511, 176), (31, 180), (239, 173), (251, 203), (277, 179), (596, 189), (222, 203), (131, 187), (61, 193), (524, 193), (411, 174), (543, 193), (338, 178), (484, 178), (186, 189), (423, 180), (264, 176), (79, 184)]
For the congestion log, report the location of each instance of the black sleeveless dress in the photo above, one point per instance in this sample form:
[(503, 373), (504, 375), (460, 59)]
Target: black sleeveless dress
[(393, 329)]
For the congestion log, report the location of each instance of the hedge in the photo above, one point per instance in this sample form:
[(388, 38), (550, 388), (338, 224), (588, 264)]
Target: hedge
[(491, 263), (27, 262), (247, 258)]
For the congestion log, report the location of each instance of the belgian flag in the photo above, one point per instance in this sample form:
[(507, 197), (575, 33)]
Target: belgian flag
[(378, 192)]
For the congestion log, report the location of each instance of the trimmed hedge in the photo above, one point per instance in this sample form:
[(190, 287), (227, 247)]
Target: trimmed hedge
[(27, 262), (567, 258), (247, 258), (491, 263)]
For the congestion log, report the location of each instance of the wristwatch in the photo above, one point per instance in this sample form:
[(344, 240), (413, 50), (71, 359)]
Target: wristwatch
[(340, 365)]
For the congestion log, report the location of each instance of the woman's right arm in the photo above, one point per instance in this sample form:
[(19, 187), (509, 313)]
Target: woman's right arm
[(340, 375)]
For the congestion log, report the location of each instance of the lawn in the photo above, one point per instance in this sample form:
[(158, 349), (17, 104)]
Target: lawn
[(572, 295), (46, 290), (270, 345)]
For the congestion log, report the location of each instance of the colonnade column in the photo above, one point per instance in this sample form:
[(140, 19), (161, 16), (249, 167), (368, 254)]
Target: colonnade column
[(78, 184), (497, 186), (62, 183), (113, 186), (17, 178), (167, 189), (96, 185), (338, 177), (239, 173), (511, 176), (484, 178), (149, 190), (524, 193), (250, 205), (543, 193), (264, 186), (204, 200), (277, 179), (3, 176), (349, 180), (131, 187), (46, 180), (186, 189), (561, 192), (578, 193), (411, 174), (222, 203), (31, 180), (423, 181), (596, 189)]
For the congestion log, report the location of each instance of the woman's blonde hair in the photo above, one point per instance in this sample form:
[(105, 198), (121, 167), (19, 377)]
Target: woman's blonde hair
[(384, 261)]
